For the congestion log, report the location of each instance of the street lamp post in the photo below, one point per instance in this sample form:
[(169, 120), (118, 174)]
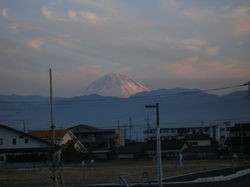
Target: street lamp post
[(158, 143)]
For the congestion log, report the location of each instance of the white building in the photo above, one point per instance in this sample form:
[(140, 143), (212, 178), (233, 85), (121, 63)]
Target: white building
[(16, 145), (216, 132)]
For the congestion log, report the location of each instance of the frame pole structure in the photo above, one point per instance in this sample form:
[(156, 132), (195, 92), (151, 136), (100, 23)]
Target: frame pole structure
[(158, 143), (54, 172)]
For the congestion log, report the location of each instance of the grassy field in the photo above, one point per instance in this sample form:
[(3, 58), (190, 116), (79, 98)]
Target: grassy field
[(109, 172)]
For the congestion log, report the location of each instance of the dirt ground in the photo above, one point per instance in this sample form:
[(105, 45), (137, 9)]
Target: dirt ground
[(109, 172)]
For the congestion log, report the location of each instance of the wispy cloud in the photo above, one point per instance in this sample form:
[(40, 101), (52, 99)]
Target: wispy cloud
[(212, 51), (193, 44), (240, 20), (36, 43), (197, 69), (49, 14), (5, 13), (89, 16)]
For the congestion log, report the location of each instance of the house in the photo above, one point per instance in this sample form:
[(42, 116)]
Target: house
[(132, 150), (99, 139), (200, 146), (62, 137), (17, 146), (170, 149), (239, 139), (99, 142), (198, 140)]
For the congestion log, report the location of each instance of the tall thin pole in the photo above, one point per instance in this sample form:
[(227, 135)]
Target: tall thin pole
[(118, 124), (147, 120), (158, 144), (54, 174), (249, 88), (130, 127)]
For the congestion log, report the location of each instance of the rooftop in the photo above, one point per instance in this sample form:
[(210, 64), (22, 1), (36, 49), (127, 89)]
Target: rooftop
[(48, 133)]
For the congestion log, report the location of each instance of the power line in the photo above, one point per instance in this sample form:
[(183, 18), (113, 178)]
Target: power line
[(108, 99)]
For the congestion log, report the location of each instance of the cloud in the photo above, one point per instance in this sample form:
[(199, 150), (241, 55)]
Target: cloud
[(195, 69), (212, 51), (193, 44), (5, 13), (36, 43), (108, 6), (75, 79), (49, 14), (237, 19), (72, 15), (240, 20), (89, 16), (84, 15)]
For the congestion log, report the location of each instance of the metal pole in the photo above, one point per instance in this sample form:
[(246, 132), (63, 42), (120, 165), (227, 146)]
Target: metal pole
[(147, 119), (158, 144), (54, 173), (249, 88), (130, 128)]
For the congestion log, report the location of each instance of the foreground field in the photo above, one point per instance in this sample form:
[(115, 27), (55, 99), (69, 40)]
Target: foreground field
[(109, 172)]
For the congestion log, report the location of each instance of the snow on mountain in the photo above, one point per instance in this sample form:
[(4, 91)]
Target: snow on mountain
[(115, 84)]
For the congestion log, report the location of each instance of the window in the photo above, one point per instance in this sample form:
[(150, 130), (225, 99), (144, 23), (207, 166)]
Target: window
[(14, 141), (1, 141), (1, 158), (26, 140)]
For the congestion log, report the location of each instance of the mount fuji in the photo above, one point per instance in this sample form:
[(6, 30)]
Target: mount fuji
[(115, 84)]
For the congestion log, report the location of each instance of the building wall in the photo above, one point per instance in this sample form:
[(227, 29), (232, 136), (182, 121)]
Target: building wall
[(199, 142), (11, 139), (217, 132)]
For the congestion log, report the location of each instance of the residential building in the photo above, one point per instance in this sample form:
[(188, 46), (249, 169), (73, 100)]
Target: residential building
[(62, 137), (198, 140), (170, 149), (99, 142), (95, 138), (216, 132), (239, 139), (132, 150), (17, 146)]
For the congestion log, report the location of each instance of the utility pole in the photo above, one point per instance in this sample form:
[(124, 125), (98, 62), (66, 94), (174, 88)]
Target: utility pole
[(52, 127), (24, 128), (249, 89), (54, 158), (130, 127), (118, 124), (147, 120), (158, 143)]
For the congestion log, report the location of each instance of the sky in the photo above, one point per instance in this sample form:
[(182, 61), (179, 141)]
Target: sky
[(160, 43)]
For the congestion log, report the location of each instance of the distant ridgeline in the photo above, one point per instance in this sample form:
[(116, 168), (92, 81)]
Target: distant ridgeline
[(178, 107)]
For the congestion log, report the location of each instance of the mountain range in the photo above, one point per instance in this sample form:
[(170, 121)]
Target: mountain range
[(178, 107), (117, 97)]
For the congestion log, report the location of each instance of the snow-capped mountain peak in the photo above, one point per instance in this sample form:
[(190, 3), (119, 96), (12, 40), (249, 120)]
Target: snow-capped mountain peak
[(115, 84)]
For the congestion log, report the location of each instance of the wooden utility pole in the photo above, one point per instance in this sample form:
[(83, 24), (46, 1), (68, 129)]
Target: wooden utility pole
[(54, 159)]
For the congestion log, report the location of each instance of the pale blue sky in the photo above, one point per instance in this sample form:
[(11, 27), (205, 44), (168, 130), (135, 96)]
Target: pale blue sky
[(160, 43)]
